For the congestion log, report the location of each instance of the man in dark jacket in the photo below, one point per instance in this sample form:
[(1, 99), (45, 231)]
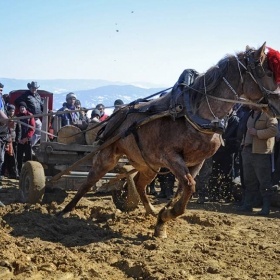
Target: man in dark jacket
[(24, 145), (220, 184), (70, 117), (35, 106)]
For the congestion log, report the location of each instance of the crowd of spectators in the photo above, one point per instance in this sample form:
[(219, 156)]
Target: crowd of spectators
[(19, 136)]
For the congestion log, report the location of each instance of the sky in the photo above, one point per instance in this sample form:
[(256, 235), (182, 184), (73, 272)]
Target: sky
[(143, 41)]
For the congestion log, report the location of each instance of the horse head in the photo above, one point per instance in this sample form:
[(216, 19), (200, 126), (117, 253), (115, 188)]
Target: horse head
[(260, 81)]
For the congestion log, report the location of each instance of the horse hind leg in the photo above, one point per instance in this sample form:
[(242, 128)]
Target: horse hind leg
[(142, 179), (103, 161)]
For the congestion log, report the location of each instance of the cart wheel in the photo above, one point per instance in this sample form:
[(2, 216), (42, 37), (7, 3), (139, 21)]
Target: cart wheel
[(32, 182), (127, 198)]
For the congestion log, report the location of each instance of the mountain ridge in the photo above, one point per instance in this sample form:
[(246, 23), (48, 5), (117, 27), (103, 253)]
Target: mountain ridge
[(89, 92)]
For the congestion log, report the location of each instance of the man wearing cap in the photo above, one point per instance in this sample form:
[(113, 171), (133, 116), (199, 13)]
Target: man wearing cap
[(69, 117), (27, 131), (34, 106), (118, 105), (95, 115)]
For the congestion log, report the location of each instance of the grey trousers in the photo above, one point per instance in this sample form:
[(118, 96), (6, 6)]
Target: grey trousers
[(257, 172), (37, 135)]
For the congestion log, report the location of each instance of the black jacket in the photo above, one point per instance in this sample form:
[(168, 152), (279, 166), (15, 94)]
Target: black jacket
[(34, 102), (230, 136)]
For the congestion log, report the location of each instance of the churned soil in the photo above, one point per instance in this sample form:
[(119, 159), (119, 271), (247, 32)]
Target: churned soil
[(98, 241)]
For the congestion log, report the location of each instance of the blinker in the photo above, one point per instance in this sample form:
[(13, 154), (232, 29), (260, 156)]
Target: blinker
[(260, 71)]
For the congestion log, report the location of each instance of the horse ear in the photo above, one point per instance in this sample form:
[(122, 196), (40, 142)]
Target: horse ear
[(260, 52)]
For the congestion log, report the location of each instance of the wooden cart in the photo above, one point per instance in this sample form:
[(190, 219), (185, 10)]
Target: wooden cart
[(67, 165)]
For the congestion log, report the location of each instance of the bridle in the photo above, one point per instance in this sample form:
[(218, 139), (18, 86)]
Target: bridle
[(252, 67), (256, 72)]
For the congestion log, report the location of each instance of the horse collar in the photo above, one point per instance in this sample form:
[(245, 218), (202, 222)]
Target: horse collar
[(203, 125)]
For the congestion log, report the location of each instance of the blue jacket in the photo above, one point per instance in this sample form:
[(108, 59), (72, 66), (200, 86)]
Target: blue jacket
[(68, 118)]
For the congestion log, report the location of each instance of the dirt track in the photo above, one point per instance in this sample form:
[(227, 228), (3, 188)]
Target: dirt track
[(97, 241)]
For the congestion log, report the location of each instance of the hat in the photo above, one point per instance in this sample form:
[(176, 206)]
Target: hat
[(118, 102), (99, 105), (70, 95), (77, 102), (22, 103), (95, 112), (11, 107), (32, 85), (1, 85)]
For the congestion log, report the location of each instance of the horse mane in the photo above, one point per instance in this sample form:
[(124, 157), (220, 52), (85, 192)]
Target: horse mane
[(209, 80)]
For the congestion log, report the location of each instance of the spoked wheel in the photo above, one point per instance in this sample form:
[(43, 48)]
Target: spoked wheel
[(32, 182), (127, 198)]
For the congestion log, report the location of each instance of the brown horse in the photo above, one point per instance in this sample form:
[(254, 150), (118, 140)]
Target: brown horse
[(182, 140)]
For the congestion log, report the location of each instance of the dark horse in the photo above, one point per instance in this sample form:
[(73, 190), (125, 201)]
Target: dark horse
[(189, 133)]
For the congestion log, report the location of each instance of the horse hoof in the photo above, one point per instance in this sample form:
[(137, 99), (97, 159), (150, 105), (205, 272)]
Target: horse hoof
[(160, 231)]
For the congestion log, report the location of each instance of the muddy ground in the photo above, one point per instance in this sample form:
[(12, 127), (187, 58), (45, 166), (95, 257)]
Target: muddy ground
[(210, 241)]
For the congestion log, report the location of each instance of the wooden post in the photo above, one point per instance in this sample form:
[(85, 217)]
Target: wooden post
[(45, 124), (56, 124)]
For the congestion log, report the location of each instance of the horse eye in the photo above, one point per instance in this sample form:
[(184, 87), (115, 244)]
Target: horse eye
[(269, 73)]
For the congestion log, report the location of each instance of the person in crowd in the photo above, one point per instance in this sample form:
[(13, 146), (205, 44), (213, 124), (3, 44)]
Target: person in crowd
[(202, 181), (78, 104), (2, 101), (27, 132), (69, 118), (244, 113), (276, 171), (10, 163), (34, 106), (258, 143), (5, 138), (83, 113), (4, 133), (95, 116), (166, 182), (101, 108), (118, 105), (223, 172)]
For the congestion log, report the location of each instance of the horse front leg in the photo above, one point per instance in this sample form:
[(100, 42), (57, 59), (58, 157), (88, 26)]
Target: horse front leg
[(177, 205)]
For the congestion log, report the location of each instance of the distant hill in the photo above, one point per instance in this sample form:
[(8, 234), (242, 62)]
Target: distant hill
[(57, 85), (89, 92), (107, 95)]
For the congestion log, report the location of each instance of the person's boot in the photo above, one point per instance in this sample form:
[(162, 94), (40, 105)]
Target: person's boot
[(248, 203), (152, 190), (266, 207), (162, 193), (258, 200), (241, 203)]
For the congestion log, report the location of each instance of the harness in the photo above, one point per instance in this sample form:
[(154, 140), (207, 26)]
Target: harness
[(180, 105)]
